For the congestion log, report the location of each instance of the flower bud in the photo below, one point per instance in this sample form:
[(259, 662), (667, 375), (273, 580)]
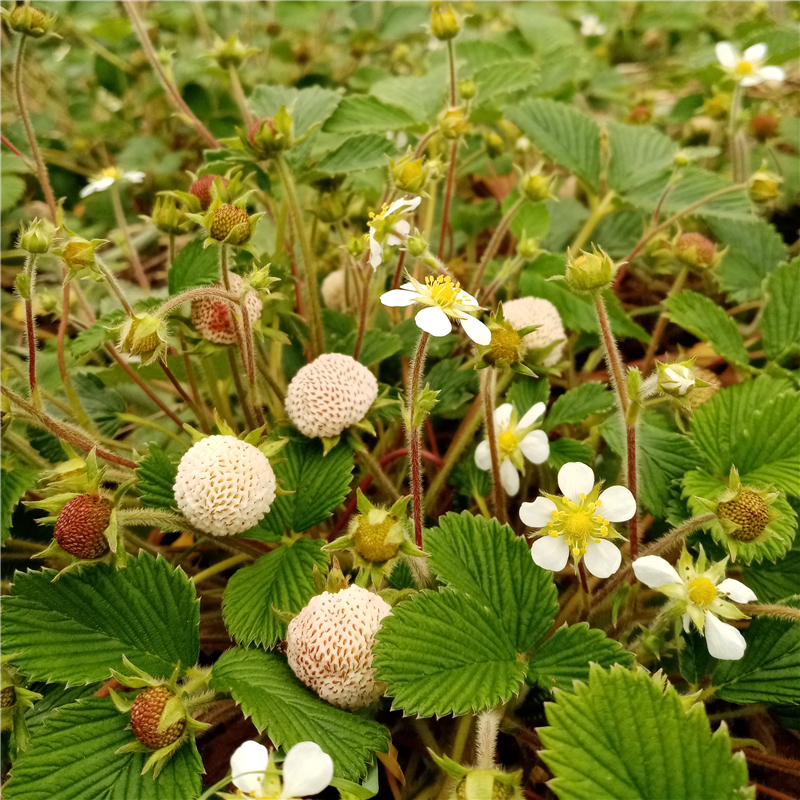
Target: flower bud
[(79, 253), (38, 237), (764, 126), (764, 187), (641, 114), (677, 379), (409, 175), (231, 53), (466, 89), (717, 106), (444, 24), (29, 21), (416, 245), (494, 144), (356, 246), (695, 250), (144, 336), (536, 187), (453, 123), (528, 247), (167, 217), (590, 272)]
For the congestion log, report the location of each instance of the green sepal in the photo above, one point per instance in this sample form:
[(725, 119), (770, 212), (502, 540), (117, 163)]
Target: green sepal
[(284, 617), (328, 443)]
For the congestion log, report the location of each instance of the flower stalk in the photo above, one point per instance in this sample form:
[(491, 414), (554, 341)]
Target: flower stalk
[(488, 387), (661, 323), (413, 431), (132, 253), (494, 244)]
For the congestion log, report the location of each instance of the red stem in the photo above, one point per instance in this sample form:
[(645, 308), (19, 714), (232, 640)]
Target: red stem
[(398, 276), (633, 527), (12, 148), (761, 789), (448, 194), (414, 436), (362, 319), (31, 336)]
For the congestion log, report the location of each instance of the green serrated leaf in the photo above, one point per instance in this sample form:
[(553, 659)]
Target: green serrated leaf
[(780, 324), (532, 220), (320, 483), (467, 479), (366, 151), (102, 405), (705, 319), (309, 106), (102, 330), (486, 560), (503, 77), (77, 629), (626, 734), (283, 579), (363, 114), (156, 474), (423, 97), (268, 691), (13, 485), (376, 347), (562, 451), (456, 387), (194, 266), (523, 394), (578, 404), (775, 582), (564, 134), (446, 653), (638, 154), (73, 757), (566, 656), (46, 444)]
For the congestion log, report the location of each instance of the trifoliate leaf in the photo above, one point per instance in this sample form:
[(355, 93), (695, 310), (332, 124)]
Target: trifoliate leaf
[(565, 657), (484, 559), (102, 405), (705, 319), (78, 628), (360, 114), (578, 403), (525, 393), (283, 579), (13, 485), (320, 484), (268, 691), (563, 133), (156, 474), (74, 757), (638, 154), (366, 151), (446, 653), (628, 735), (780, 324), (194, 266), (768, 672)]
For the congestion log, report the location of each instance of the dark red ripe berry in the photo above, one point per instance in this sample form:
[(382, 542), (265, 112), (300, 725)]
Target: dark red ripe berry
[(81, 524), (201, 189), (145, 714)]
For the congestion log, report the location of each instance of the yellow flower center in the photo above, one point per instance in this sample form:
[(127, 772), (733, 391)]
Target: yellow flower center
[(508, 442), (744, 68), (579, 525), (110, 172), (373, 217), (702, 591), (444, 291), (579, 262)]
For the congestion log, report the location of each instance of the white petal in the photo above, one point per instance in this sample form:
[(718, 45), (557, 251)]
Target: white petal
[(100, 185), (393, 241), (248, 764), (575, 479), (602, 558), (399, 298), (752, 80), (772, 74), (723, 640), (687, 620), (466, 299), (133, 177), (654, 571), (502, 417), (726, 54), (375, 251), (509, 477), (476, 330), (483, 456), (617, 504), (550, 552), (402, 228), (434, 321), (532, 414), (307, 770), (538, 513), (409, 287), (737, 591), (535, 447), (755, 53)]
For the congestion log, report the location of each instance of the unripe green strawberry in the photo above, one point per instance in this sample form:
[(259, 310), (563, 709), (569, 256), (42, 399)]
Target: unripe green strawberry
[(8, 697), (225, 219), (201, 189), (81, 525), (146, 712), (370, 539), (749, 511), (30, 21)]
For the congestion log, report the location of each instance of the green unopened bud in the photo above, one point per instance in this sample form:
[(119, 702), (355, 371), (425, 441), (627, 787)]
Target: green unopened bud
[(231, 53), (78, 254), (681, 158), (453, 123), (269, 135), (528, 247), (260, 279), (717, 106), (678, 379), (466, 89), (764, 187), (144, 336), (494, 144), (29, 21), (356, 245), (38, 237), (424, 403), (537, 187), (167, 217), (331, 207), (409, 175), (444, 24), (590, 272), (416, 245)]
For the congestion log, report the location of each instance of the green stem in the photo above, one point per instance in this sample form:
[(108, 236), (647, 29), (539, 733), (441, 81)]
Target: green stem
[(494, 244), (280, 230), (377, 471), (601, 210), (488, 381), (448, 196), (113, 285), (661, 322), (415, 457), (149, 423), (238, 94), (132, 252), (314, 312), (220, 566), (30, 329), (216, 398)]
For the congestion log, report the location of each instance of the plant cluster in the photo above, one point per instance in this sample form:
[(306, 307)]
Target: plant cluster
[(401, 400)]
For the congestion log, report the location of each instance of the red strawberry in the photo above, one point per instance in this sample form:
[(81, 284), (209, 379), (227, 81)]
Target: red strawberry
[(81, 524), (201, 189), (146, 713)]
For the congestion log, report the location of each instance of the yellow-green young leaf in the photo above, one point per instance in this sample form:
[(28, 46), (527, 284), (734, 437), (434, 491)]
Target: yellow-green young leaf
[(360, 114), (13, 485), (485, 560), (579, 403), (627, 735), (194, 266), (156, 474), (780, 324), (768, 672), (567, 655), (78, 628), (637, 154), (359, 152), (446, 653), (563, 133), (282, 578), (73, 757), (705, 319), (268, 691)]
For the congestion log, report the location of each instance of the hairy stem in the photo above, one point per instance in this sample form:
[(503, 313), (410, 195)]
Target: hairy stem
[(599, 212), (122, 223), (362, 315), (661, 323), (489, 381), (448, 196), (494, 244), (414, 435), (377, 472), (30, 329), (113, 284), (238, 94)]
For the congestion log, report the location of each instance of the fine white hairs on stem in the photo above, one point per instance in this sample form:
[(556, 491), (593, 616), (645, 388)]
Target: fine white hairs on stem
[(486, 737)]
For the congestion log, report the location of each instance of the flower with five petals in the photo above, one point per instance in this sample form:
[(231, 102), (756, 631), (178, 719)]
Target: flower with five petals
[(747, 68)]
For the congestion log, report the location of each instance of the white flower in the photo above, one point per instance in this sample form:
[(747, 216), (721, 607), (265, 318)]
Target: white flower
[(388, 228), (443, 299), (307, 770), (700, 595), (578, 522), (676, 379), (591, 25), (747, 68), (514, 440), (109, 176)]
